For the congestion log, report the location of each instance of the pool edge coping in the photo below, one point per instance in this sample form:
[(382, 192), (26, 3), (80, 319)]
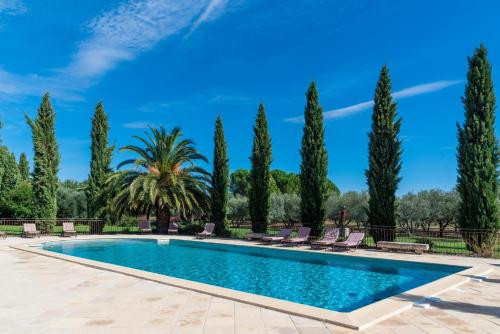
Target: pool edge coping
[(358, 319)]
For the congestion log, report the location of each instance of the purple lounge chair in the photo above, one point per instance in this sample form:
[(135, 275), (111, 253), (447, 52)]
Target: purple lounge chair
[(173, 228), (68, 229), (207, 232), (30, 231), (145, 228), (302, 237), (353, 241), (329, 238), (283, 234)]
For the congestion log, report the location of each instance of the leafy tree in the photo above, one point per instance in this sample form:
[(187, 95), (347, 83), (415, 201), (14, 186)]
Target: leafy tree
[(46, 160), (291, 205), (24, 167), (238, 209), (477, 157), (277, 208), (240, 182), (412, 212), (101, 155), (355, 204), (260, 175), (331, 188), (441, 209), (10, 171), (313, 169), (384, 161), (19, 202), (220, 179), (165, 178), (287, 183), (71, 200)]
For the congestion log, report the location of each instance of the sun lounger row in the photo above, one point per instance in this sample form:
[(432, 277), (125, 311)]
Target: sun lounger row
[(330, 238)]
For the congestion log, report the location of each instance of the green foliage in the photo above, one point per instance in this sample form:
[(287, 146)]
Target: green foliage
[(18, 202), (287, 183), (71, 200), (24, 167), (238, 209), (46, 161), (355, 203), (384, 160), (220, 179), (101, 155), (412, 211), (191, 228), (478, 156), (428, 208), (240, 182), (260, 175), (314, 166), (9, 171), (165, 178)]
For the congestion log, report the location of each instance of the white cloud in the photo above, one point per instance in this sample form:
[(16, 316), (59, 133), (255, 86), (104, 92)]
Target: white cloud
[(401, 94), (424, 88), (138, 125), (120, 34), (12, 7), (211, 12)]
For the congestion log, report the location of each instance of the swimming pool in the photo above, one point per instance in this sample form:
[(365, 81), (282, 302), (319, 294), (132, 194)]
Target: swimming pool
[(325, 280)]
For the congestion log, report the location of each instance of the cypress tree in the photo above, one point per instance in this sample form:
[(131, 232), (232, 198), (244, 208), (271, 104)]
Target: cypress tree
[(10, 175), (314, 166), (220, 179), (24, 167), (101, 155), (46, 162), (477, 158), (260, 174), (384, 161)]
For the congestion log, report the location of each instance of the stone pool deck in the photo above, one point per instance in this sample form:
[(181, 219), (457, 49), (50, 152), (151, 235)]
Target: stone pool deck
[(46, 295)]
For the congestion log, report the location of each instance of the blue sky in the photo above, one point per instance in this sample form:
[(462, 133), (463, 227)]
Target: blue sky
[(184, 62)]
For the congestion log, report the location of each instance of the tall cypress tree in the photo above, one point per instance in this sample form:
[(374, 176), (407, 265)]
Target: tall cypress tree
[(101, 155), (260, 174), (46, 161), (384, 161), (314, 166), (220, 179), (478, 157), (24, 167), (10, 171)]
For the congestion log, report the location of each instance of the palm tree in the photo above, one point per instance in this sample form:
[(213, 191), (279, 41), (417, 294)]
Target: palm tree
[(165, 178)]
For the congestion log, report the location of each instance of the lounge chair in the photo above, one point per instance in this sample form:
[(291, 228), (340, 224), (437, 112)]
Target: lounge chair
[(68, 229), (173, 228), (3, 235), (255, 236), (302, 237), (30, 231), (329, 238), (145, 228), (353, 241), (207, 232), (282, 235)]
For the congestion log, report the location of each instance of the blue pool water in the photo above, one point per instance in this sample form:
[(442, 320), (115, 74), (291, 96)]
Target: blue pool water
[(334, 282)]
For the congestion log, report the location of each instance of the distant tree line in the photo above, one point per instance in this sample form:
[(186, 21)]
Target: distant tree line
[(166, 179)]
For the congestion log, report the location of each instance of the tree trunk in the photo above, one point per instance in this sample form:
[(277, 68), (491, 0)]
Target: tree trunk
[(162, 221)]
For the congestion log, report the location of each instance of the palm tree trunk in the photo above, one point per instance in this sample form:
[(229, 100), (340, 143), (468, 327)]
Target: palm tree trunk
[(163, 220)]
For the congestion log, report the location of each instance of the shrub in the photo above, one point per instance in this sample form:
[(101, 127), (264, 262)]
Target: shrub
[(18, 202), (191, 228)]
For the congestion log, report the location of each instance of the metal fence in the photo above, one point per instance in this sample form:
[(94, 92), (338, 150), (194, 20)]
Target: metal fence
[(14, 227), (451, 241)]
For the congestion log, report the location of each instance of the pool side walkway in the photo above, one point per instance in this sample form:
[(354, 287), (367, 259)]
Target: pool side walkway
[(46, 295)]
